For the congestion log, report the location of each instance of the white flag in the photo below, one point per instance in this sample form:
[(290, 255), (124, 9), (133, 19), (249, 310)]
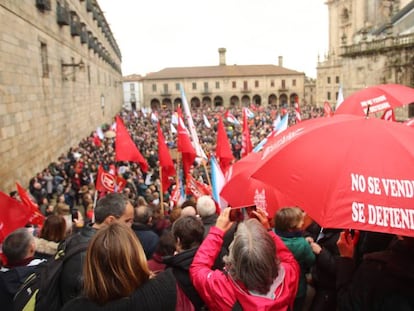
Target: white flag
[(340, 98), (206, 123), (199, 151), (173, 130)]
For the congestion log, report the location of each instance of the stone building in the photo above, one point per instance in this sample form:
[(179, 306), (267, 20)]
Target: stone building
[(133, 94), (370, 42), (224, 85), (60, 78)]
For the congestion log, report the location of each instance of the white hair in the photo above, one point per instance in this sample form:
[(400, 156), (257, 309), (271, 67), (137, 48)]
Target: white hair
[(205, 206)]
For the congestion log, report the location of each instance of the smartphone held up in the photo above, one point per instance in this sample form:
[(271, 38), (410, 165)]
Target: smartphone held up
[(241, 213)]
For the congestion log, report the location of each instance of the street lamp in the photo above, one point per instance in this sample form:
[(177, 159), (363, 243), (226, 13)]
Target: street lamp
[(80, 65)]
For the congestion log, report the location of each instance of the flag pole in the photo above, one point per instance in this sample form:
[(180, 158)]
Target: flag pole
[(206, 171), (161, 194), (95, 198)]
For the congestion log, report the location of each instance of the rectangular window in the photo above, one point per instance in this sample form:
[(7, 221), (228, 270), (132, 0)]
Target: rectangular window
[(245, 85), (132, 86), (234, 84), (217, 84), (272, 83), (154, 87), (165, 87), (329, 80), (206, 86), (177, 86), (328, 95), (194, 86), (73, 70), (337, 79), (89, 74), (294, 82), (283, 84), (45, 64), (256, 83)]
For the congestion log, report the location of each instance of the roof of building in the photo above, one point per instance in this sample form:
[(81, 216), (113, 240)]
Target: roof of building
[(132, 78), (220, 71)]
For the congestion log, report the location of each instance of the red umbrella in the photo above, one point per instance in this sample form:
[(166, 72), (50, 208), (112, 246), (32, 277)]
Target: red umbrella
[(409, 122), (377, 98), (242, 190), (345, 172)]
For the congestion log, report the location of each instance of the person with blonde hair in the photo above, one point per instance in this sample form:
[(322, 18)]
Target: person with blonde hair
[(261, 273), (116, 268)]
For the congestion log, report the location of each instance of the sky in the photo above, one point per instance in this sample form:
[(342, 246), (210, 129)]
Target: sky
[(157, 34)]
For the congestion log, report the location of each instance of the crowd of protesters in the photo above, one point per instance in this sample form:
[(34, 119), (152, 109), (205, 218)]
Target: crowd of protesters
[(189, 257), (69, 181)]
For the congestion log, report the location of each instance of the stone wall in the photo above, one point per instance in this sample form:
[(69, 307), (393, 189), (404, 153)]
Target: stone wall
[(45, 106)]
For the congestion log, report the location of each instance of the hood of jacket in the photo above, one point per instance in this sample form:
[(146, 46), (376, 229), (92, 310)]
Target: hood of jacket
[(181, 260), (12, 279), (46, 247)]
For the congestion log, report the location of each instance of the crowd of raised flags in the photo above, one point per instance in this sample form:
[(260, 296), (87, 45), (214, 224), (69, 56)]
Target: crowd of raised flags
[(190, 151)]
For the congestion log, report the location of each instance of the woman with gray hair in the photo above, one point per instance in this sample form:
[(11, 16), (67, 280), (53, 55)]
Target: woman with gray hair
[(260, 272)]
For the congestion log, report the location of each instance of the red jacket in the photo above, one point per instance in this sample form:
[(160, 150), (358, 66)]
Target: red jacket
[(220, 292)]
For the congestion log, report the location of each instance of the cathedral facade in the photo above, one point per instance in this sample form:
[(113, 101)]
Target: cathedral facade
[(370, 42)]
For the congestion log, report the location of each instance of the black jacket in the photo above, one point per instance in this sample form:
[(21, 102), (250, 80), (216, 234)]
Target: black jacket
[(157, 294), (71, 278), (148, 238), (383, 281), (180, 266), (10, 282)]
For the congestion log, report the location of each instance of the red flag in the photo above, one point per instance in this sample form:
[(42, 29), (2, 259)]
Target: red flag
[(246, 141), (230, 117), (196, 188), (125, 148), (179, 112), (166, 163), (36, 217), (185, 147), (13, 215), (96, 140), (388, 115), (223, 148), (104, 181), (108, 181), (327, 110)]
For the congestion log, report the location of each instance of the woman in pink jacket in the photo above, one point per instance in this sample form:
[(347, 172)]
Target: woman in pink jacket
[(260, 272)]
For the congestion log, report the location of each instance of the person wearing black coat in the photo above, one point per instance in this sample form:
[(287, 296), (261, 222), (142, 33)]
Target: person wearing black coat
[(117, 277), (159, 293), (383, 280), (142, 226), (19, 249), (188, 232), (114, 207), (323, 272)]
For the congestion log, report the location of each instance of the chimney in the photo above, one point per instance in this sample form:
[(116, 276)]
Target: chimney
[(280, 62), (222, 54)]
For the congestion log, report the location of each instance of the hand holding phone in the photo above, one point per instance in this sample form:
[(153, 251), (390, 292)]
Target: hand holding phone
[(241, 213)]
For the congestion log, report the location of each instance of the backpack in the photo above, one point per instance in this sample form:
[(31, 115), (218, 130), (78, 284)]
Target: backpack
[(41, 289)]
